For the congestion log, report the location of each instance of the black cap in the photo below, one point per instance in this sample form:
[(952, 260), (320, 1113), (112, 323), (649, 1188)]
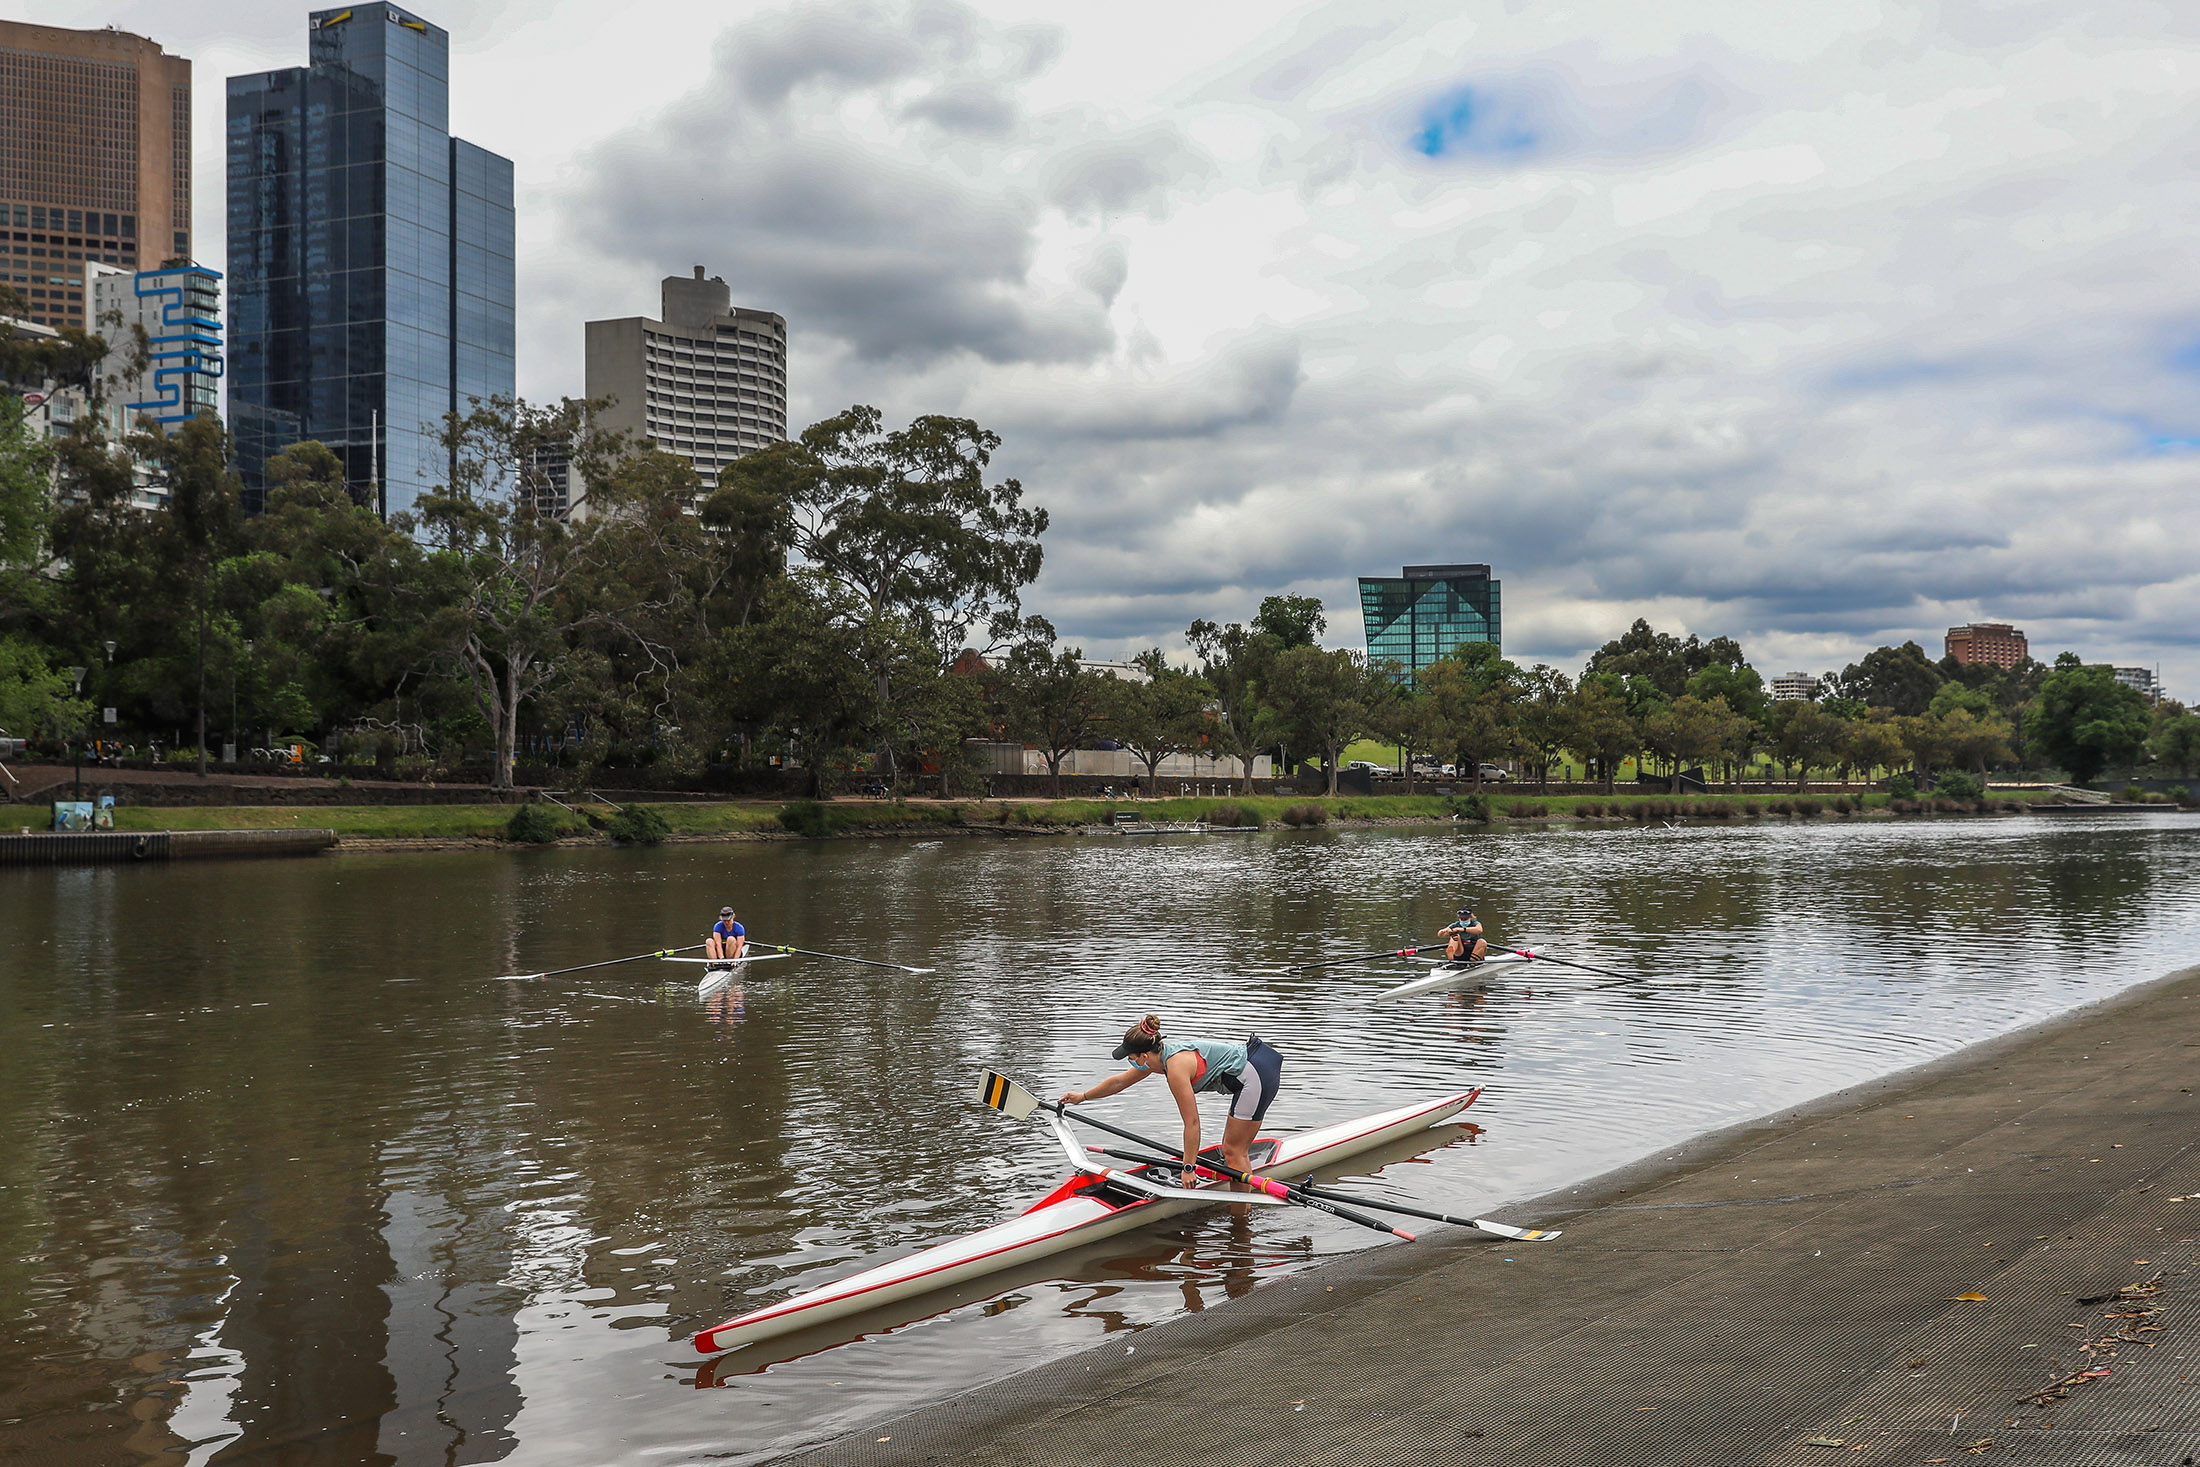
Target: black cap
[(725, 911), (1121, 1051)]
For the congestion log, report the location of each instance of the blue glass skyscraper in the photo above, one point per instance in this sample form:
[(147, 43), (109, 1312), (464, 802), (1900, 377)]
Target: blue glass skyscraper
[(371, 274)]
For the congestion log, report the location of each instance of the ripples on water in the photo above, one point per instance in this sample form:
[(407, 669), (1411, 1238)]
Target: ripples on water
[(282, 1167)]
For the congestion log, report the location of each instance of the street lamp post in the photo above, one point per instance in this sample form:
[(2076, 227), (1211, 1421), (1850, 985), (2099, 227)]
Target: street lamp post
[(76, 677)]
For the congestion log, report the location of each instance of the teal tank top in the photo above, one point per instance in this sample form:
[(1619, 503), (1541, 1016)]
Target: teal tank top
[(1224, 1060)]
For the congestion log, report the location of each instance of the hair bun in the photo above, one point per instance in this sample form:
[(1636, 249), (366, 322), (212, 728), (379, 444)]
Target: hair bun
[(1150, 1024)]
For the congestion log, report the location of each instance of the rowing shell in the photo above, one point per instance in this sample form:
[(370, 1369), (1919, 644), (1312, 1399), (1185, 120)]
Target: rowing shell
[(1083, 1209), (1452, 975), (719, 974)]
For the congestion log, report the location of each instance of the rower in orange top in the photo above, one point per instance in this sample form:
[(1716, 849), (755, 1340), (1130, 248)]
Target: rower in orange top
[(1249, 1073)]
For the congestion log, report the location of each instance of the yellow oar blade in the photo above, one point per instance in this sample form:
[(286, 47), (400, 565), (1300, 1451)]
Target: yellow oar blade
[(1006, 1096)]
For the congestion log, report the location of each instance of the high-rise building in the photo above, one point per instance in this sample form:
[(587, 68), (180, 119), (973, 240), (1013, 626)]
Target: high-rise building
[(1794, 687), (95, 160), (1995, 643), (2140, 680), (708, 382), (1427, 611), (179, 310), (371, 278)]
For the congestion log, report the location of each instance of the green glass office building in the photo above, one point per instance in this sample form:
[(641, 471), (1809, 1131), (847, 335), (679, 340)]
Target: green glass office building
[(1428, 610)]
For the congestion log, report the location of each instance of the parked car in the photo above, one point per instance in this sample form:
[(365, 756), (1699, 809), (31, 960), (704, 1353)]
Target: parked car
[(1361, 766), (1496, 773)]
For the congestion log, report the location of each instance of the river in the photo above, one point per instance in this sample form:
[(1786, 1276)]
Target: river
[(287, 1176)]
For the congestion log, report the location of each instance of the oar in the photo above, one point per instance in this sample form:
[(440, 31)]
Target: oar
[(841, 958), (1402, 952), (1014, 1101), (1521, 952), (1285, 1189), (663, 952)]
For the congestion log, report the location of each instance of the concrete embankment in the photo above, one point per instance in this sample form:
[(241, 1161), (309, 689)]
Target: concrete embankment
[(97, 847), (1995, 1258)]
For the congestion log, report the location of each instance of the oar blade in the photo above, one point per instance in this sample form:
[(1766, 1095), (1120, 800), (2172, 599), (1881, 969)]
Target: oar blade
[(519, 978), (1518, 1235), (1006, 1096)]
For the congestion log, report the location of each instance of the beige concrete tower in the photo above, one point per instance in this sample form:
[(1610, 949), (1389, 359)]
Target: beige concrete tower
[(708, 382), (95, 160)]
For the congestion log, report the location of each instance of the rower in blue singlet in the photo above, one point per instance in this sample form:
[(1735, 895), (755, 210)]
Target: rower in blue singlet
[(728, 938), (1249, 1073)]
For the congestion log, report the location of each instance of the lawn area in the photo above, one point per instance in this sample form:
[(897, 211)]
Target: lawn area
[(854, 817)]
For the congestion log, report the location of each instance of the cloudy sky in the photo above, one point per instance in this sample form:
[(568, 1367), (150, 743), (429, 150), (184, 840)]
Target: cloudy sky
[(1820, 325)]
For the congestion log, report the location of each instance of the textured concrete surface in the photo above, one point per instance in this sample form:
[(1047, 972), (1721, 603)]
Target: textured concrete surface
[(1787, 1293)]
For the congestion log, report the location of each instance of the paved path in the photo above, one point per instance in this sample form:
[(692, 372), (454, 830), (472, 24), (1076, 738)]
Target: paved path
[(1786, 1286)]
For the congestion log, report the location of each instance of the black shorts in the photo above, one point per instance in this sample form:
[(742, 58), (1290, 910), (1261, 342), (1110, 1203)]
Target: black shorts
[(1258, 1082)]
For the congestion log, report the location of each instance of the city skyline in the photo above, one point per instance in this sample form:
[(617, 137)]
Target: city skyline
[(1649, 308)]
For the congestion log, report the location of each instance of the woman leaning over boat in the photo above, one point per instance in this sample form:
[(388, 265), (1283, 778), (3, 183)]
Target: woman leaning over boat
[(1248, 1073)]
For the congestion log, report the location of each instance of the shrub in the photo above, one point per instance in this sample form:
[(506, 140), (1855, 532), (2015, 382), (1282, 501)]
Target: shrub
[(533, 825), (1808, 807), (1957, 785), (637, 825), (2181, 794), (1233, 817), (1469, 807), (1584, 809), (807, 817), (1526, 810), (1781, 807), (2133, 794), (1751, 807), (1902, 787), (1305, 815)]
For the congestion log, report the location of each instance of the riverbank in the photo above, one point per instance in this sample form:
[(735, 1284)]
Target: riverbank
[(779, 820), (1994, 1257)]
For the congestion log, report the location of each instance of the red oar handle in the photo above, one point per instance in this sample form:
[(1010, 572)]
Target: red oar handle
[(1275, 1188)]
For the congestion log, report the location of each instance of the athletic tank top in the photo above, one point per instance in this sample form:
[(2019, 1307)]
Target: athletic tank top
[(1220, 1061)]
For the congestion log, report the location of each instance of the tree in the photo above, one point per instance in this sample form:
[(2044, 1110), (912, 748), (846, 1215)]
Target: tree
[(907, 522), (1324, 700), (1232, 661), (1599, 731), (29, 362), (1740, 688), (1465, 705), (1050, 701), (1973, 740), (1661, 659), (2085, 720), (26, 494), (36, 700), (1805, 734), (1292, 621), (1873, 742), (500, 579), (2174, 743), (1687, 730), (1899, 679), (1164, 715), (1541, 718), (198, 531)]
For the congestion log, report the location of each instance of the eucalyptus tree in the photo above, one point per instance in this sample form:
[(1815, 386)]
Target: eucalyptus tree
[(2085, 720), (1598, 728), (1804, 734), (1166, 714), (1324, 699), (1233, 659), (1050, 699)]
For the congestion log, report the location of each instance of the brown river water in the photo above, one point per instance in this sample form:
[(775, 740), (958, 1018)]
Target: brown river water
[(286, 1176)]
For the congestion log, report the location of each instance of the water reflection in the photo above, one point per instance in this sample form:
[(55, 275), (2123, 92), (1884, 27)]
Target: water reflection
[(306, 1187)]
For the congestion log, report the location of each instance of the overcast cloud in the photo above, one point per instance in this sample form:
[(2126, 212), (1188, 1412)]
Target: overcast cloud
[(1821, 326)]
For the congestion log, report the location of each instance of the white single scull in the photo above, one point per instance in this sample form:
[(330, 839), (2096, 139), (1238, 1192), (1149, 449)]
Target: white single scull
[(1452, 975), (719, 973), (1093, 1204)]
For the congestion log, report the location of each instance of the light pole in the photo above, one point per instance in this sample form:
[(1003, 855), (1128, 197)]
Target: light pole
[(106, 691), (76, 677)]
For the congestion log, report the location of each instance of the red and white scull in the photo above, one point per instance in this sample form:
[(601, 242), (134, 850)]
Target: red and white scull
[(1093, 1204)]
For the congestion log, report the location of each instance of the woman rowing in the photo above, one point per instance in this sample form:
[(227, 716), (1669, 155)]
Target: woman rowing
[(1463, 940), (1248, 1073)]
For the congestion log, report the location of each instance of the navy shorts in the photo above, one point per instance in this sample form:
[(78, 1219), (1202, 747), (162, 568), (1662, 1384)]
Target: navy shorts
[(1258, 1082)]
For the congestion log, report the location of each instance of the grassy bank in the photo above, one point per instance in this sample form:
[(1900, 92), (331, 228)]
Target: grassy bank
[(857, 817)]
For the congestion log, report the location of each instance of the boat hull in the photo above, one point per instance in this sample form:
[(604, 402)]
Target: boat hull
[(1068, 1217), (1447, 975)]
